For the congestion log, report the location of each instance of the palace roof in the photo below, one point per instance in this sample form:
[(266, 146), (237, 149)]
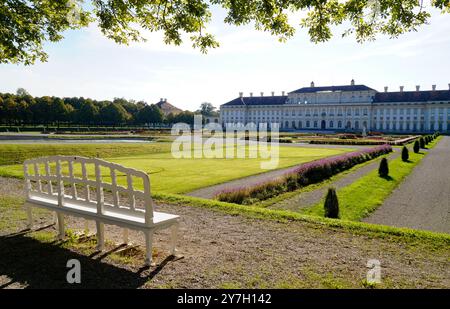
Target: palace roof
[(412, 96), (268, 100), (333, 89)]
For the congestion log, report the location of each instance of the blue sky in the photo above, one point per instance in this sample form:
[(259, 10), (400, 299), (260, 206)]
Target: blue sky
[(89, 65)]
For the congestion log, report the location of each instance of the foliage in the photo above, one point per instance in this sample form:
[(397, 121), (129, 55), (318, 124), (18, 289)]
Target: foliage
[(300, 176), (416, 147), (331, 205), (405, 154), (27, 24), (422, 143), (21, 108), (207, 109), (383, 169)]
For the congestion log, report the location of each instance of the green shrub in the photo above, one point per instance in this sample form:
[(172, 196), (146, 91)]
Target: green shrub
[(383, 170), (300, 176), (331, 204), (405, 154), (416, 147), (422, 143)]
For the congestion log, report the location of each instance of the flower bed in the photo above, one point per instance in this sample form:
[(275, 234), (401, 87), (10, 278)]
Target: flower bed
[(300, 176)]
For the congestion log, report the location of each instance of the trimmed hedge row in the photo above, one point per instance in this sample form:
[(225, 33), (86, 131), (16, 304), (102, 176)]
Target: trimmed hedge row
[(403, 141), (300, 176)]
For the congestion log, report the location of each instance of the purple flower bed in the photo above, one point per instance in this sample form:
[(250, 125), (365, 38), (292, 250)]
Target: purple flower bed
[(300, 176)]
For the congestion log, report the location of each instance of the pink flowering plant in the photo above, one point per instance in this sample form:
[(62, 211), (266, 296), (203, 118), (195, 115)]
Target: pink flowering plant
[(300, 176)]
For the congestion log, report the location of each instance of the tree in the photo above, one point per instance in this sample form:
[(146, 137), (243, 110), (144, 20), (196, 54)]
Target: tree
[(22, 92), (87, 113), (422, 143), (331, 205), (26, 25), (416, 147), (114, 114), (150, 114), (383, 169), (405, 154), (207, 109)]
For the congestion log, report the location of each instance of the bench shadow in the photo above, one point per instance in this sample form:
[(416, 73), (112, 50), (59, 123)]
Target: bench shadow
[(26, 260)]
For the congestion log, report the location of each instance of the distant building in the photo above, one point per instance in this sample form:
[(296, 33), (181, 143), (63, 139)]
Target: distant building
[(168, 108), (345, 108)]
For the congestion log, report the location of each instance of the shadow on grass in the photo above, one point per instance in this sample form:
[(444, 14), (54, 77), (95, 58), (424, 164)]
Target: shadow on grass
[(43, 265), (388, 178)]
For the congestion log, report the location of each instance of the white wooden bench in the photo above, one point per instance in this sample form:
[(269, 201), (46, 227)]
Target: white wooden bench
[(54, 183)]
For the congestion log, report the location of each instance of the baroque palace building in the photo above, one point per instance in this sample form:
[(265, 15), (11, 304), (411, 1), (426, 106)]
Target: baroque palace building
[(351, 107)]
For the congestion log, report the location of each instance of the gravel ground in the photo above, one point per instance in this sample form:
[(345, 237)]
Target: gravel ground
[(226, 251), (310, 198), (422, 201)]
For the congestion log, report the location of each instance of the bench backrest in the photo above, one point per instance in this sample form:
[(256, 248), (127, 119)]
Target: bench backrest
[(59, 178)]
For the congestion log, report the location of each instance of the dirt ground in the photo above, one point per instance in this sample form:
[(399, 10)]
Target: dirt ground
[(220, 250)]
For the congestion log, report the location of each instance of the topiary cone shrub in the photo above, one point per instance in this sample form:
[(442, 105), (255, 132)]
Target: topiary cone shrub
[(383, 170), (405, 154), (416, 147), (331, 205), (422, 143)]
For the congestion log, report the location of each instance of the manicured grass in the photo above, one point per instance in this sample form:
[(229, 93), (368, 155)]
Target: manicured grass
[(355, 202), (171, 175), (316, 186), (17, 153)]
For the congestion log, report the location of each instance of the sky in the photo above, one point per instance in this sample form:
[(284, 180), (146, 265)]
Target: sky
[(87, 64)]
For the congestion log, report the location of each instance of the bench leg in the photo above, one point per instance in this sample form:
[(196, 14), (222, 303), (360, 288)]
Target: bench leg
[(174, 238), (55, 218), (148, 247), (125, 236), (62, 233), (29, 217), (100, 236)]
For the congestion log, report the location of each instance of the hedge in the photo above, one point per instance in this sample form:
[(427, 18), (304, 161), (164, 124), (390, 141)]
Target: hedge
[(300, 176)]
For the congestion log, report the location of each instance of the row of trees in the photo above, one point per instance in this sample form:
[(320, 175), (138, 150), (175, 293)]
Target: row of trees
[(22, 108)]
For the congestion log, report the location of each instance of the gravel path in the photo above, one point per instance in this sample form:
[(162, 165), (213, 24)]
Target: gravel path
[(422, 201), (310, 198), (223, 251), (210, 192)]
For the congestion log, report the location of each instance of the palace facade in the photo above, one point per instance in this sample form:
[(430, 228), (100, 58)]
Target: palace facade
[(353, 108)]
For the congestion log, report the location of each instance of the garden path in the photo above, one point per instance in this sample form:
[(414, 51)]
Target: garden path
[(422, 201)]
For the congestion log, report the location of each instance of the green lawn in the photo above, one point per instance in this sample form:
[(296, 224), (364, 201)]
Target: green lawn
[(355, 202), (168, 174)]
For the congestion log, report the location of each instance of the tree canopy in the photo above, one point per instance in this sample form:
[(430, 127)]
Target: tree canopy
[(26, 25), (23, 109), (207, 109)]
